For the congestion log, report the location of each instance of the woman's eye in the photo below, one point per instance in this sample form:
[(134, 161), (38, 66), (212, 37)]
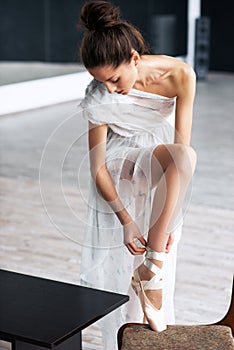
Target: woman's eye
[(115, 81)]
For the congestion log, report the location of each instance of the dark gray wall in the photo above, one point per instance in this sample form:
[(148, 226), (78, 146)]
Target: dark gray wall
[(42, 30), (45, 30), (222, 31), (21, 30), (140, 13)]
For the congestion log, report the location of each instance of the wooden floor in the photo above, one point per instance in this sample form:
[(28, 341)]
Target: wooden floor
[(42, 223)]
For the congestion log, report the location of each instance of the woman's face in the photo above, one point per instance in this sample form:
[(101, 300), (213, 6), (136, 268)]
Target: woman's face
[(120, 79)]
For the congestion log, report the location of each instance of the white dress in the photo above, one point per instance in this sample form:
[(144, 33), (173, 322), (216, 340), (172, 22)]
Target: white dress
[(137, 124)]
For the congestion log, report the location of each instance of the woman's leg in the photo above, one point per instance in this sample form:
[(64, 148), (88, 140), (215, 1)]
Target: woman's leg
[(169, 275), (172, 169)]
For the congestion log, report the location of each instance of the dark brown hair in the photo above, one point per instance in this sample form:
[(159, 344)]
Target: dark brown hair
[(108, 40)]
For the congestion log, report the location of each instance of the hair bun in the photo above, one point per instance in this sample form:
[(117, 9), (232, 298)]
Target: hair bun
[(98, 15)]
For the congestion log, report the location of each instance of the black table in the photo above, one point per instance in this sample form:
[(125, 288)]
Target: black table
[(38, 313)]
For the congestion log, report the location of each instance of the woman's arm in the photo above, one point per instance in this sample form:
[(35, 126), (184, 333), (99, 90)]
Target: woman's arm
[(185, 81), (100, 174), (106, 187)]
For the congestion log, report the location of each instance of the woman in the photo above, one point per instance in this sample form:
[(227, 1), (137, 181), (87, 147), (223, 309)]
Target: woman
[(140, 165)]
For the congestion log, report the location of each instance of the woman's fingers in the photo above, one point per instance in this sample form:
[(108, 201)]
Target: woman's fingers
[(169, 242), (142, 240), (133, 239), (134, 249)]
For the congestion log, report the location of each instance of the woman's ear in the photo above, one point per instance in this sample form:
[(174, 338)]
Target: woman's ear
[(135, 57)]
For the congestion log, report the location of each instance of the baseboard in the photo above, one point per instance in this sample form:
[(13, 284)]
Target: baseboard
[(39, 93)]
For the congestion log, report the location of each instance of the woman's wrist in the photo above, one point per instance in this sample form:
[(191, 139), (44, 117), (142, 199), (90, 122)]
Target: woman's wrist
[(120, 211), (124, 217)]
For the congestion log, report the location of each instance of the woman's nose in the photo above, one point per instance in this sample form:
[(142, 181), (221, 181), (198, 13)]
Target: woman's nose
[(110, 87)]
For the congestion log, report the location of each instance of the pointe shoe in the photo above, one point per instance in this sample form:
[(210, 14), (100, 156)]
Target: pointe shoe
[(154, 316)]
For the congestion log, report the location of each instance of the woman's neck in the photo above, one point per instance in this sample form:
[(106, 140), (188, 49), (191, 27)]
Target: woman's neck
[(149, 72)]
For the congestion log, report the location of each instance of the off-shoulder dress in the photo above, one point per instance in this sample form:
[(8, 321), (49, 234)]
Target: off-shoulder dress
[(137, 124)]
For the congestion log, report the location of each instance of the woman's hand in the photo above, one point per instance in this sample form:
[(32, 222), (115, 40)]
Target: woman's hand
[(170, 241), (131, 233)]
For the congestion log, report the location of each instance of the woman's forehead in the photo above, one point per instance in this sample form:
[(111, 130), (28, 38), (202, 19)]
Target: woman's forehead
[(105, 73)]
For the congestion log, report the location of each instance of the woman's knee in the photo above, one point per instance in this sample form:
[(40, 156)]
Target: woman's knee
[(184, 157), (192, 157)]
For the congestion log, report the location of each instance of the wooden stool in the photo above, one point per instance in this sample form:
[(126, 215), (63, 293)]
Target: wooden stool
[(218, 336)]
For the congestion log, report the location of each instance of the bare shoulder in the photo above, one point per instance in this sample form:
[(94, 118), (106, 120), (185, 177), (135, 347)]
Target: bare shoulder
[(175, 77), (186, 83), (184, 73), (181, 75), (177, 68)]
